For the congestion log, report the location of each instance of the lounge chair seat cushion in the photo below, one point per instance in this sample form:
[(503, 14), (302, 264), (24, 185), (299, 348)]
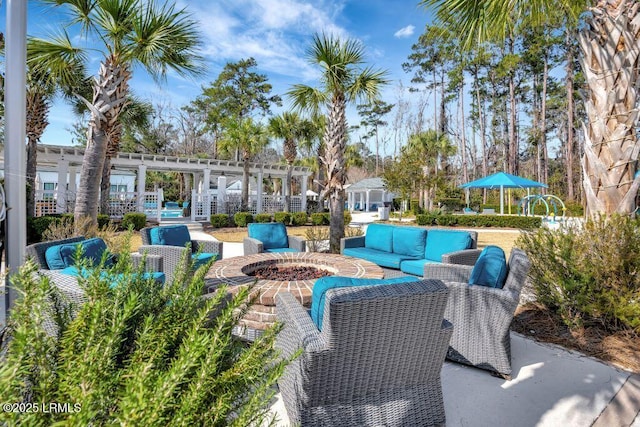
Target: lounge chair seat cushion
[(200, 259), (62, 256), (382, 258), (172, 235), (490, 268), (415, 266), (440, 242), (158, 276), (272, 235), (280, 250), (323, 284)]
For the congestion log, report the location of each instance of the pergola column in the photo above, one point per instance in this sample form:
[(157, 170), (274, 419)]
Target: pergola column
[(303, 193), (140, 186), (259, 192), (366, 208), (206, 185), (222, 193), (72, 180), (63, 170)]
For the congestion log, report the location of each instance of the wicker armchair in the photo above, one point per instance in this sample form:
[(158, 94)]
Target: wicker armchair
[(171, 255), (279, 240), (482, 316), (377, 360)]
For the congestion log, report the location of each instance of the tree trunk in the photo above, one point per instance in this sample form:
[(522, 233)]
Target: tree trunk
[(334, 164), (544, 160), (115, 135), (569, 166), (609, 60), (37, 111), (513, 139), (244, 204), (110, 89), (463, 141)]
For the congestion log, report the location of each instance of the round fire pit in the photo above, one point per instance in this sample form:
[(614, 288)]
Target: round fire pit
[(238, 271)]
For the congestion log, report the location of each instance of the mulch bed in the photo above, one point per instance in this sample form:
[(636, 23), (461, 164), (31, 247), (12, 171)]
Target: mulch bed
[(620, 348)]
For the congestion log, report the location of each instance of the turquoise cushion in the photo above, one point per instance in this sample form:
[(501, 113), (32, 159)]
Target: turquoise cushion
[(409, 241), (158, 276), (382, 258), (379, 237), (172, 235), (273, 235), (415, 267), (202, 258), (490, 269), (62, 256), (323, 284), (281, 250), (440, 242), (171, 205)]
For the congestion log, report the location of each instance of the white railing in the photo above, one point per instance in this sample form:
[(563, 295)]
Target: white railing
[(122, 202)]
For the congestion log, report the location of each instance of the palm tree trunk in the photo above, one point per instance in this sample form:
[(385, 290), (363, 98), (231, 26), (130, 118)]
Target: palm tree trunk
[(610, 61), (115, 135), (109, 97), (37, 111), (570, 116), (334, 163)]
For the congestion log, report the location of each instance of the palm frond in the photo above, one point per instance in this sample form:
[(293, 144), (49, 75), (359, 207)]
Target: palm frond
[(307, 98), (55, 61), (366, 85)]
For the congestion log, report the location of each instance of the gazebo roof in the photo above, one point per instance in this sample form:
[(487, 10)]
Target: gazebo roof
[(368, 184)]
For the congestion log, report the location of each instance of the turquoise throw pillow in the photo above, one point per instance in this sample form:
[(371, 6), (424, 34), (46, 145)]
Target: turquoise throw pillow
[(490, 268), (200, 259), (379, 237), (62, 256), (409, 241), (440, 242), (273, 235), (172, 235), (323, 284)]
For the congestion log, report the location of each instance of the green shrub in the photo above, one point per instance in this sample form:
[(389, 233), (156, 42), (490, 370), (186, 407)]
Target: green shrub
[(136, 219), (414, 206), (36, 226), (347, 217), (319, 218), (299, 218), (103, 220), (262, 217), (451, 204), (283, 217), (140, 353), (219, 220), (590, 274), (512, 221), (241, 219)]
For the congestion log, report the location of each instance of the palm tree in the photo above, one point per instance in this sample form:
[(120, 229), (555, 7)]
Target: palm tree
[(137, 114), (248, 138), (343, 81), (293, 129), (133, 33), (53, 66), (610, 59)]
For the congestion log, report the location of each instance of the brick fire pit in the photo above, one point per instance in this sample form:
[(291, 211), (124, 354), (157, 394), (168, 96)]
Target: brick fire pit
[(236, 271)]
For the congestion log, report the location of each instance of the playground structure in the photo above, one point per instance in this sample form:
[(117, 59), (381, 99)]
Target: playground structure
[(527, 205)]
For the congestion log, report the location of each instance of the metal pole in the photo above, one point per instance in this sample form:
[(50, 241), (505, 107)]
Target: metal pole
[(14, 142)]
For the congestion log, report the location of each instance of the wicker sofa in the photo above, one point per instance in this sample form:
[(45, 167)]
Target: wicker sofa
[(374, 362), (482, 316), (172, 254), (409, 249)]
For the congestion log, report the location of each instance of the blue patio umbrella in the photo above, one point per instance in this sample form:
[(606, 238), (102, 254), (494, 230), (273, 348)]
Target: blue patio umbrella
[(503, 180)]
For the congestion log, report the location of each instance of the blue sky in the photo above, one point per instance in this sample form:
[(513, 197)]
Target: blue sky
[(275, 32)]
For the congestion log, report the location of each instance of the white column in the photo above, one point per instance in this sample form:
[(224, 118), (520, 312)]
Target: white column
[(14, 142), (194, 203), (259, 192), (72, 179), (285, 187), (206, 185), (303, 193), (367, 206), (140, 186), (63, 170), (222, 193)]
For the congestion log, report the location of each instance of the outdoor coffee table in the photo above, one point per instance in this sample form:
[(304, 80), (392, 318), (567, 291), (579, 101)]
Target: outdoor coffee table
[(235, 272)]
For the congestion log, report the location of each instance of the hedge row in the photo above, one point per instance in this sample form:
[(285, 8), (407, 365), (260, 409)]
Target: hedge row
[(521, 222), (36, 226), (241, 219)]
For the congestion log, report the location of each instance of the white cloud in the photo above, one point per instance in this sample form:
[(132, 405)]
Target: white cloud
[(405, 32)]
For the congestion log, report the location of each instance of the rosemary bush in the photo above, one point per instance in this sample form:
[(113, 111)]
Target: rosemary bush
[(588, 274), (138, 353)]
